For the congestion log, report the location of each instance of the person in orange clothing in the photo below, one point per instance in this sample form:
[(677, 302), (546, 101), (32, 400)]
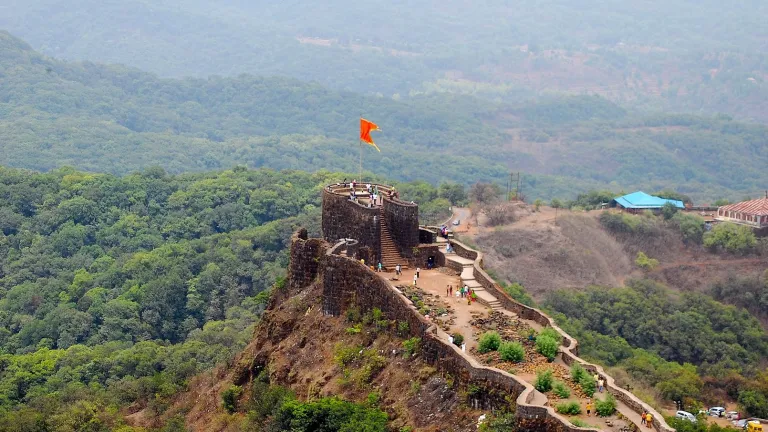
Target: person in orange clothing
[(589, 408)]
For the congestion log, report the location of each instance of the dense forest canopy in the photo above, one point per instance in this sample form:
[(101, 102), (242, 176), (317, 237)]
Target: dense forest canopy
[(690, 56), (115, 290), (116, 119)]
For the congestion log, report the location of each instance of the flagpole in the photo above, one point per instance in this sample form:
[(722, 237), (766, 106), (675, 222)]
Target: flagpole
[(361, 160)]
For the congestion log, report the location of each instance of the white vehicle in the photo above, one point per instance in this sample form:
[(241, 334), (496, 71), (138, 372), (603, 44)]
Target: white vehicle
[(456, 222), (716, 411), (732, 415), (685, 415)]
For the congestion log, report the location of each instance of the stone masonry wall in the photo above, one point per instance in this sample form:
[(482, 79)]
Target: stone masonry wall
[(403, 223), (346, 282), (343, 218), (569, 349)]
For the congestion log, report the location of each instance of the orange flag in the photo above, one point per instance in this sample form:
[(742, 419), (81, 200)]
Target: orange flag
[(366, 127)]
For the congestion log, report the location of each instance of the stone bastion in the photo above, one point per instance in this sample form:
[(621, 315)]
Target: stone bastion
[(343, 218)]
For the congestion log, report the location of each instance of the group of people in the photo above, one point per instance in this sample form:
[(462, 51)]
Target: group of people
[(374, 196), (463, 292), (647, 419)]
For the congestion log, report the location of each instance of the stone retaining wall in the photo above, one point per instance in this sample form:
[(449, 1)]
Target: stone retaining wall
[(569, 349), (347, 282)]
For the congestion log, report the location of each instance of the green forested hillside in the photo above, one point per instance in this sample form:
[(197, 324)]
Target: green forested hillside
[(708, 56), (115, 290), (118, 120)]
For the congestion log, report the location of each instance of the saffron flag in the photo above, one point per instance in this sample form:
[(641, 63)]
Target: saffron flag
[(366, 127)]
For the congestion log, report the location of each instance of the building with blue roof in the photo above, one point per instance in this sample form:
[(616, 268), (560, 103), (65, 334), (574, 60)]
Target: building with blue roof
[(639, 200)]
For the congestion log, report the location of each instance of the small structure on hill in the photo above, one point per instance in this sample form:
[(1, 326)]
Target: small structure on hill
[(753, 213), (639, 201)]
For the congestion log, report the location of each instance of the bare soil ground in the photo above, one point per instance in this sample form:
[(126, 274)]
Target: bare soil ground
[(549, 250)]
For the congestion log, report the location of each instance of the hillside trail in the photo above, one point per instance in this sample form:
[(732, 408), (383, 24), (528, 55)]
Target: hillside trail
[(463, 313)]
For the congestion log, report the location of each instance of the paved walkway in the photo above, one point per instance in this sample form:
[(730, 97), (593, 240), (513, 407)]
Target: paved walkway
[(467, 277)]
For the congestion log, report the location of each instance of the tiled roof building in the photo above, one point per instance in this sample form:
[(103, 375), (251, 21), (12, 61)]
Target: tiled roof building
[(753, 213)]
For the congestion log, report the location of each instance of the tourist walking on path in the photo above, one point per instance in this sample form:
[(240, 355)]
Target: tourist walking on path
[(447, 290), (600, 384), (398, 270), (418, 269), (589, 407), (642, 418), (648, 420), (379, 266), (450, 294), (415, 278)]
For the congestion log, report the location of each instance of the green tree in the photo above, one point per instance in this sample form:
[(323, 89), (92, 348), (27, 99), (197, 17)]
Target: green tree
[(731, 237)]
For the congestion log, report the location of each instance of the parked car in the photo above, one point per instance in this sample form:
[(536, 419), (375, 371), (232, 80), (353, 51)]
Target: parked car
[(732, 415), (716, 411), (685, 415)]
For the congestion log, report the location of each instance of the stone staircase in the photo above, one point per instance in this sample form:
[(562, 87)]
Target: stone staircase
[(468, 279), (390, 255)]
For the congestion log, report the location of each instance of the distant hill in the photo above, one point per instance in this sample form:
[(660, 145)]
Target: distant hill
[(704, 56), (117, 119)]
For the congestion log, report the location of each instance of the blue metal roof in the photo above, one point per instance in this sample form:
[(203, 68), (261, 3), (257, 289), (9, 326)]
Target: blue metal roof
[(641, 200)]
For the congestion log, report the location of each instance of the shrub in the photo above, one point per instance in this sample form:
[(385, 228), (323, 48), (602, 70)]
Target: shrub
[(577, 372), (550, 332), (512, 352), (411, 346), (547, 347), (582, 423), (588, 385), (458, 339), (731, 237), (646, 263), (570, 408), (517, 292), (605, 407), (403, 328), (229, 398), (489, 341), (543, 381), (561, 390)]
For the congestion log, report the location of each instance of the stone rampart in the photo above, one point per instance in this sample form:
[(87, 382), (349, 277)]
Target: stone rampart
[(403, 224), (347, 282), (343, 218), (569, 349)]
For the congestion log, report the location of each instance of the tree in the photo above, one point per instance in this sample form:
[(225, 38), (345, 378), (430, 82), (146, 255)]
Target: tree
[(453, 192), (484, 193), (668, 210), (556, 203), (731, 237)]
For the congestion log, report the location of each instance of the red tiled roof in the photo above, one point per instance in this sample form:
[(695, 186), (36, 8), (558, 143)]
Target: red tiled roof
[(758, 207)]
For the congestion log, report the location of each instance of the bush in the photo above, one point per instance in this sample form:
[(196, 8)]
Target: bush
[(550, 332), (458, 339), (489, 341), (543, 381), (731, 237), (547, 347), (512, 352), (646, 263), (411, 346), (577, 372), (569, 408), (588, 385), (605, 407), (229, 398), (561, 390)]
